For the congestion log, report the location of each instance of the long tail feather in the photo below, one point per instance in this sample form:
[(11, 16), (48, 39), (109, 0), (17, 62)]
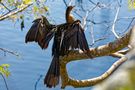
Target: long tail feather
[(52, 76)]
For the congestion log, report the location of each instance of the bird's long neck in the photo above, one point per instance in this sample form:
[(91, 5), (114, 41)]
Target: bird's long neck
[(69, 16)]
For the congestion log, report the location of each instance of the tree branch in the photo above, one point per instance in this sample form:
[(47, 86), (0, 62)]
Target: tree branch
[(11, 52), (14, 12), (5, 6), (93, 81), (103, 50), (115, 19), (4, 81)]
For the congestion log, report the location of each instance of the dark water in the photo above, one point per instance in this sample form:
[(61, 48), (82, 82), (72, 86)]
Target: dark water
[(34, 62)]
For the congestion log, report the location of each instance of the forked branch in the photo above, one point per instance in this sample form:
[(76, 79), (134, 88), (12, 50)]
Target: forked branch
[(112, 49)]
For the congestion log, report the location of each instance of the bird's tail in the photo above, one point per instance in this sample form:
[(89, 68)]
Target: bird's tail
[(52, 76)]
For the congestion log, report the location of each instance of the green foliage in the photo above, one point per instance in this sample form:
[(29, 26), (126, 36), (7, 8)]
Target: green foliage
[(131, 4), (27, 1), (37, 8), (4, 69)]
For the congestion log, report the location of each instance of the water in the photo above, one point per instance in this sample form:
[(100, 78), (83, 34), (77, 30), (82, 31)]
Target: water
[(34, 62)]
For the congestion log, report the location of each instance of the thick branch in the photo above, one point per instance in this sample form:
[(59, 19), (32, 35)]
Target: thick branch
[(103, 50), (93, 81)]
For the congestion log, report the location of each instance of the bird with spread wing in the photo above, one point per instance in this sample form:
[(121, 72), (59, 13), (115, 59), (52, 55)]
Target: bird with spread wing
[(67, 36)]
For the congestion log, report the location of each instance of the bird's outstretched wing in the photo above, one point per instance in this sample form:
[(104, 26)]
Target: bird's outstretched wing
[(74, 37), (40, 32)]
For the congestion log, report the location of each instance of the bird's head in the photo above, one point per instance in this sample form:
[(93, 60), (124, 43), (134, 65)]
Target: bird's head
[(69, 8)]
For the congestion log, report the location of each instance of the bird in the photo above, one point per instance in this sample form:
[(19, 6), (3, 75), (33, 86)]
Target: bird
[(39, 31), (67, 36), (69, 17)]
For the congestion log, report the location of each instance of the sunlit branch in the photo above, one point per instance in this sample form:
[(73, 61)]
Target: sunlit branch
[(84, 19), (91, 32), (69, 4), (111, 49), (14, 12), (94, 81), (114, 22)]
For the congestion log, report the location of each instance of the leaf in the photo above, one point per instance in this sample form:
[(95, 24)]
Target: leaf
[(35, 8), (27, 1), (10, 1), (5, 65), (46, 8), (4, 69), (131, 4)]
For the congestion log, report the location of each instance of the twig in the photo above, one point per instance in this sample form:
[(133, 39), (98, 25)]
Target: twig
[(38, 81), (92, 2), (87, 13), (117, 55), (93, 81), (84, 19), (5, 6), (4, 81), (8, 51), (15, 12), (97, 40), (65, 3), (69, 2), (113, 26), (91, 32), (128, 25)]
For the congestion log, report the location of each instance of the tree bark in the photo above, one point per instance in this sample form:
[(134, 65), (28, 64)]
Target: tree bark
[(112, 49)]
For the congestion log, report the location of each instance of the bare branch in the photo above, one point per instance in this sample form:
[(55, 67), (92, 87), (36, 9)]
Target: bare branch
[(38, 81), (84, 19), (92, 2), (4, 81), (69, 2), (14, 12), (115, 19), (91, 32), (5, 6), (9, 51), (117, 55), (93, 81), (65, 3), (97, 40), (66, 81), (103, 50)]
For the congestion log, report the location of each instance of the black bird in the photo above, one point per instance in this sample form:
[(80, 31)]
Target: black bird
[(67, 36)]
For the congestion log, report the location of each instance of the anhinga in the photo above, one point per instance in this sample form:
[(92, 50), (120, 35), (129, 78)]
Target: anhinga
[(67, 36)]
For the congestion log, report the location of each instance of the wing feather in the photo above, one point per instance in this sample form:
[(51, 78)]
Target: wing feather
[(74, 38), (40, 32)]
